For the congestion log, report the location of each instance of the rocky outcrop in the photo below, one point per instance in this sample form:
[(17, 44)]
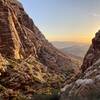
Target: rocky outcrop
[(28, 62), (93, 53), (21, 38), (87, 86)]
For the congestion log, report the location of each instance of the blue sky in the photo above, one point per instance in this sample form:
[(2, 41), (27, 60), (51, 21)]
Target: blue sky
[(65, 20)]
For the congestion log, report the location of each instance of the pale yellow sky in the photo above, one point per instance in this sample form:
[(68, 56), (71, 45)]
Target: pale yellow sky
[(84, 37), (65, 20)]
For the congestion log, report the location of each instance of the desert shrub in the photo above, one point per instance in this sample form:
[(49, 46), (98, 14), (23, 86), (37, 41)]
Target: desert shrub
[(45, 97), (53, 96)]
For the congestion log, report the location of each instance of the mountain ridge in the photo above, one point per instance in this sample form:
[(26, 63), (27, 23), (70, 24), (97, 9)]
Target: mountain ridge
[(29, 64), (86, 85)]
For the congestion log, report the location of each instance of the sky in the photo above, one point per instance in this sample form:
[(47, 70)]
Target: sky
[(65, 20)]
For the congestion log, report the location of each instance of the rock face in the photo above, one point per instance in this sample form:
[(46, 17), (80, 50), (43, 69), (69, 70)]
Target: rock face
[(93, 53), (28, 62), (20, 38), (87, 86)]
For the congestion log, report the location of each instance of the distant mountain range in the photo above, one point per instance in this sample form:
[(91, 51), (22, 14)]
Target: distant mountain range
[(77, 50)]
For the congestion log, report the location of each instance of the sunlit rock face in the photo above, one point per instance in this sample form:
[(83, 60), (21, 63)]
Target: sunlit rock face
[(87, 86), (28, 62), (19, 37)]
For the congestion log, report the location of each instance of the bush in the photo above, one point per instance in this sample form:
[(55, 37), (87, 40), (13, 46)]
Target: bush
[(45, 97)]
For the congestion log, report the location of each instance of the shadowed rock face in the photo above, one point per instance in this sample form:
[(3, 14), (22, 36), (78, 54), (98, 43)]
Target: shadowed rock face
[(87, 86), (28, 62), (93, 53)]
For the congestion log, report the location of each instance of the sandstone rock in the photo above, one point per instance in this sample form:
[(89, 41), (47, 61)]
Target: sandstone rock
[(87, 86), (33, 64), (21, 38), (93, 53)]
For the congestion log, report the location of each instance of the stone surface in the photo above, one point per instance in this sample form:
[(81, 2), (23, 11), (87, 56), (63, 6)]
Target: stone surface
[(28, 62), (93, 53), (87, 86), (20, 38)]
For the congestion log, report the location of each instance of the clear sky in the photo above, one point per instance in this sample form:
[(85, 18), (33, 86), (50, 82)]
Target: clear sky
[(65, 20)]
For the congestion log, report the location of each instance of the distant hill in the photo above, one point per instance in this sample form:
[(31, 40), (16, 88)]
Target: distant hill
[(77, 50)]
